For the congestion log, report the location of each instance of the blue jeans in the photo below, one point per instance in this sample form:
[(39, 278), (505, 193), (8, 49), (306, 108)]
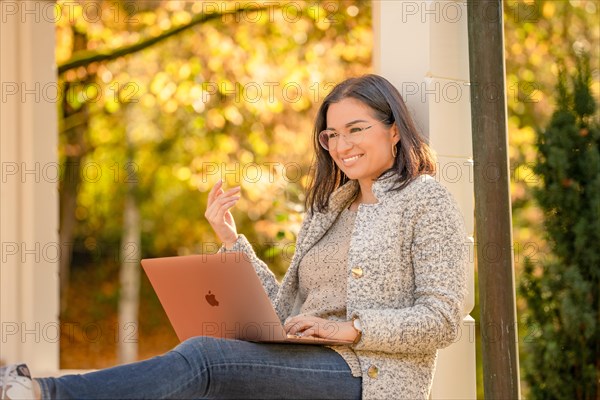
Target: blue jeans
[(210, 368)]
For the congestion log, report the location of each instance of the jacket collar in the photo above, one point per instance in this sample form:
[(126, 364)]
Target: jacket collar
[(344, 194), (339, 200)]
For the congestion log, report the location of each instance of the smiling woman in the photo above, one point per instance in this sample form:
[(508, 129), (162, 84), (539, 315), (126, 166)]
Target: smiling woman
[(363, 160), (378, 134), (379, 264), (381, 252)]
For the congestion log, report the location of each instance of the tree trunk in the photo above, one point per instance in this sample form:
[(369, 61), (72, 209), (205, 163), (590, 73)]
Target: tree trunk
[(68, 204), (129, 276), (129, 282), (75, 125)]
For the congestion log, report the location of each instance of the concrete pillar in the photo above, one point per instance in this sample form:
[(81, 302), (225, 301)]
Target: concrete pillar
[(29, 181), (422, 48)]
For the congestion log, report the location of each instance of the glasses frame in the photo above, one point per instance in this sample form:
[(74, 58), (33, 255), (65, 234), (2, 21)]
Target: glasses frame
[(347, 136)]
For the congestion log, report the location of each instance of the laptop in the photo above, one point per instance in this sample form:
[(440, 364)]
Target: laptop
[(219, 295)]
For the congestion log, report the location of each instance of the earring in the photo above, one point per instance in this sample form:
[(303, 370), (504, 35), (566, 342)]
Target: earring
[(394, 151)]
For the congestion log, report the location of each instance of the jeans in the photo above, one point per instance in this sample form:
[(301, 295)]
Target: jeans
[(211, 368)]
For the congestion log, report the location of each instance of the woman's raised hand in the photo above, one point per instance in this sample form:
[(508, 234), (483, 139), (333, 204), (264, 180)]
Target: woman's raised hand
[(218, 215)]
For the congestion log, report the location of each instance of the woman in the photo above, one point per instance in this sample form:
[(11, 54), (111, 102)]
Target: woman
[(379, 257)]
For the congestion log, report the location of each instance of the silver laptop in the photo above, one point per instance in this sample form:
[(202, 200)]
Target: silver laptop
[(219, 295)]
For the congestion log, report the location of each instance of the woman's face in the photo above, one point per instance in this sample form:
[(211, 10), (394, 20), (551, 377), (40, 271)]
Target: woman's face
[(365, 157)]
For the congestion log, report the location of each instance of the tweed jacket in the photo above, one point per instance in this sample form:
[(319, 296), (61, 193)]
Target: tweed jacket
[(406, 280)]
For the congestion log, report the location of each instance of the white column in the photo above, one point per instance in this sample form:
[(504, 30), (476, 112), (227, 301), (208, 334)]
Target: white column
[(29, 181), (422, 48)]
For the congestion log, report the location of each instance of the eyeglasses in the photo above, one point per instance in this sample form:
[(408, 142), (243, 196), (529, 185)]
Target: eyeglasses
[(329, 138)]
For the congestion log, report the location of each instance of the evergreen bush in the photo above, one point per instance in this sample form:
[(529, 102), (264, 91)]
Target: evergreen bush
[(562, 359)]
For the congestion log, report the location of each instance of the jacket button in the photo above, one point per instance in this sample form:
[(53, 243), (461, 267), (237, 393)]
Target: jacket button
[(373, 371), (357, 272)]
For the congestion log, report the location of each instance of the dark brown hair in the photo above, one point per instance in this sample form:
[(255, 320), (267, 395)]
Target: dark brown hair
[(414, 156)]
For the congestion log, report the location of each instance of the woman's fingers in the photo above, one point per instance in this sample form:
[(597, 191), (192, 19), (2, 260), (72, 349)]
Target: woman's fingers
[(224, 208), (214, 190), (311, 326), (300, 323), (219, 198), (217, 192), (217, 214), (309, 332), (299, 327), (217, 211)]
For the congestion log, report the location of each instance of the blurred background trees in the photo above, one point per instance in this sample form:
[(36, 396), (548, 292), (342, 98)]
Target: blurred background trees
[(234, 97), (540, 36), (563, 291), (231, 98)]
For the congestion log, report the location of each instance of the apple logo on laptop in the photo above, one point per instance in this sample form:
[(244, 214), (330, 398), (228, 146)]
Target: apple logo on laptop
[(212, 300)]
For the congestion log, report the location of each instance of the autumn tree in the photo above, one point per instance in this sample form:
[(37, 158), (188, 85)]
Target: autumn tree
[(232, 96)]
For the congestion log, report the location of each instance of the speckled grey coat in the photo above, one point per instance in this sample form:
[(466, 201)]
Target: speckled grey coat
[(411, 249)]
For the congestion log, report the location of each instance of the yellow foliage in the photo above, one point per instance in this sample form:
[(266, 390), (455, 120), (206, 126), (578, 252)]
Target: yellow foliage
[(548, 9)]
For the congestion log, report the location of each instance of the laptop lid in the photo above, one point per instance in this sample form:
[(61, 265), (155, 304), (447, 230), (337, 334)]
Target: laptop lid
[(218, 295)]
